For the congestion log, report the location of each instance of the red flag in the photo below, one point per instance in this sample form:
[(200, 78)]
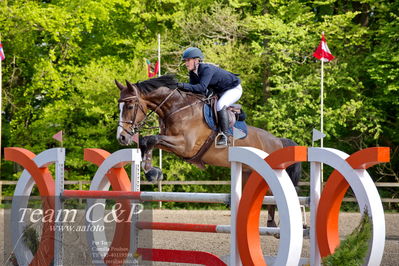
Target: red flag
[(58, 136), (152, 71), (322, 52), (2, 56)]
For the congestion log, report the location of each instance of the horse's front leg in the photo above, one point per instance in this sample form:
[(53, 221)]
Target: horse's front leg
[(174, 144), (147, 145)]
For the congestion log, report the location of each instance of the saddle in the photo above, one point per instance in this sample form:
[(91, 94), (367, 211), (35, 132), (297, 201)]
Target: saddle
[(235, 113), (236, 116), (236, 120)]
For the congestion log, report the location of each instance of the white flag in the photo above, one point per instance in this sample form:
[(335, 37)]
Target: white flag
[(316, 135), (58, 136)]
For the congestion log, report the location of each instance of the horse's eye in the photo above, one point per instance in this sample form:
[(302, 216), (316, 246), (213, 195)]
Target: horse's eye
[(130, 107)]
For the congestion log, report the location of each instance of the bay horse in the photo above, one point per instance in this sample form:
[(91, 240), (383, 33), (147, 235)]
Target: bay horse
[(183, 130)]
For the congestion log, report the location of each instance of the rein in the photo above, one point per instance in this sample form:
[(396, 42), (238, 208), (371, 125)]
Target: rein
[(136, 127), (183, 108)]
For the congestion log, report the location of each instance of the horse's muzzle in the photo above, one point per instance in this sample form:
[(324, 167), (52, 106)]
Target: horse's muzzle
[(125, 139)]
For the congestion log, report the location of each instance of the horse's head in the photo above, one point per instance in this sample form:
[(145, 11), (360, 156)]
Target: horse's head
[(133, 112)]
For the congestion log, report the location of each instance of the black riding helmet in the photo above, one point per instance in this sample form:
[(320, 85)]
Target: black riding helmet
[(192, 52)]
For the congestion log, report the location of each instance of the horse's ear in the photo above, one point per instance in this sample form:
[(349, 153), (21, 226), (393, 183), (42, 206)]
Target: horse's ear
[(131, 87), (119, 85)]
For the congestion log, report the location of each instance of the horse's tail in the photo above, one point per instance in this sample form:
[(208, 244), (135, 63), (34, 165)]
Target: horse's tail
[(294, 171)]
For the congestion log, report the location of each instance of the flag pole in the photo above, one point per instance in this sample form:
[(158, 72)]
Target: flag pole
[(1, 102), (159, 74), (324, 55), (322, 101), (322, 113), (160, 151)]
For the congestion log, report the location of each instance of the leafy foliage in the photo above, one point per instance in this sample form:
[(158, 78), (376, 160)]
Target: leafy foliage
[(62, 58), (353, 249)]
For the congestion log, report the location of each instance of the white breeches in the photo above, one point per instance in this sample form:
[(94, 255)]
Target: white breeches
[(229, 97)]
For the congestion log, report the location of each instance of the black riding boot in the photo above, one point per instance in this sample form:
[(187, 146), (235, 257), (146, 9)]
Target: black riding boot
[(223, 126)]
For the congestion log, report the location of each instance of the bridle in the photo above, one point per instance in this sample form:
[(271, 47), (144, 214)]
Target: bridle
[(134, 99), (136, 127)]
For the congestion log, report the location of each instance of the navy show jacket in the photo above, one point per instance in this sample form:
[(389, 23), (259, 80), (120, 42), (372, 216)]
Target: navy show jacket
[(211, 77)]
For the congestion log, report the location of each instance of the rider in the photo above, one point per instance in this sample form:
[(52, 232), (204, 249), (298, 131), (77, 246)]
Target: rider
[(204, 77)]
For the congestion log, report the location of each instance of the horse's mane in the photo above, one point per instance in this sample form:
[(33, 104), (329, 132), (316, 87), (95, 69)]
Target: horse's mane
[(150, 85)]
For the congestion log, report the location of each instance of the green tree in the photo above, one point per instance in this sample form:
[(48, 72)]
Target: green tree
[(62, 58)]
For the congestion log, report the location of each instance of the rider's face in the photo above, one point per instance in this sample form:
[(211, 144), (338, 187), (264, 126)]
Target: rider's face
[(191, 63)]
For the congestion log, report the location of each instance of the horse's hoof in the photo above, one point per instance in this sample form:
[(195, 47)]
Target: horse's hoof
[(271, 223), (228, 203), (154, 174)]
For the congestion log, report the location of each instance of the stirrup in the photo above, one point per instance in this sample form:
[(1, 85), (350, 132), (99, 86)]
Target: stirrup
[(220, 146)]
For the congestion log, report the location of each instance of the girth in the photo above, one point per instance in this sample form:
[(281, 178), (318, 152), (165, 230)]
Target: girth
[(197, 158)]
